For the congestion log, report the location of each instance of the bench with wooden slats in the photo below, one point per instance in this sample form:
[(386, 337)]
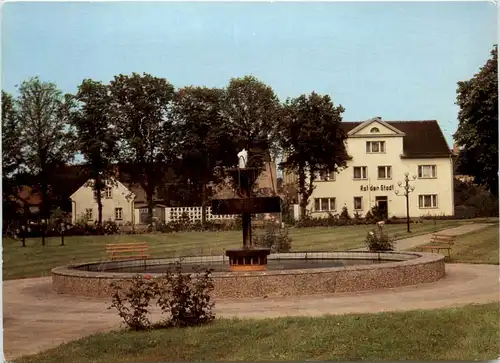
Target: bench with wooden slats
[(127, 251), (440, 242)]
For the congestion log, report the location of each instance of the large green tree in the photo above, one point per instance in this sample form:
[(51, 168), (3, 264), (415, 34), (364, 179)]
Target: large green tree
[(96, 137), (312, 141), (251, 110), (44, 132), (477, 132), (11, 153), (141, 106), (204, 139)]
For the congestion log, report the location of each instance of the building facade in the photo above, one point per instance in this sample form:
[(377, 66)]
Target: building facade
[(380, 155), (117, 203)]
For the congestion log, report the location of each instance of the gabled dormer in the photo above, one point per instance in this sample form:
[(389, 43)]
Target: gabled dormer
[(376, 128)]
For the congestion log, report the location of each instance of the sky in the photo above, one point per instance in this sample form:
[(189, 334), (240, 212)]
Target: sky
[(396, 60)]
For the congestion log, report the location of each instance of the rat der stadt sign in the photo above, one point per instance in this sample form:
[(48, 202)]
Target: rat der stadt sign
[(377, 188)]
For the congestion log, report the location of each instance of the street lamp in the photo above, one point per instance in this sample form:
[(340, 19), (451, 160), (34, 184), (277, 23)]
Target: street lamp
[(62, 233), (43, 231), (407, 189)]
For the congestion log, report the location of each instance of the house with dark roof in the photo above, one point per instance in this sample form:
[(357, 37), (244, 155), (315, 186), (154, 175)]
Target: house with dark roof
[(380, 154)]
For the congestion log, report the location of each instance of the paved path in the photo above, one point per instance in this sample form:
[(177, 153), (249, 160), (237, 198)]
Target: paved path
[(412, 242), (36, 319)]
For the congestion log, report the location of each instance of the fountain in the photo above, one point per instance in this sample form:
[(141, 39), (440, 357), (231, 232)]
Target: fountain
[(245, 204)]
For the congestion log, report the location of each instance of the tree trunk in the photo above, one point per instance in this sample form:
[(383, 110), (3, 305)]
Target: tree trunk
[(98, 189), (149, 197), (303, 193)]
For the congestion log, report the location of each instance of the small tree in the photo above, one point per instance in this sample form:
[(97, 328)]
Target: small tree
[(44, 133), (312, 141), (141, 106), (96, 135)]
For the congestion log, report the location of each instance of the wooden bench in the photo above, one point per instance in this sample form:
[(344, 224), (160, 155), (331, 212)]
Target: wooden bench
[(440, 242), (126, 251)]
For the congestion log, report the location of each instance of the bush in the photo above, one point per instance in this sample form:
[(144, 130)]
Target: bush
[(274, 237), (187, 301), (133, 305), (184, 299), (379, 240), (344, 215)]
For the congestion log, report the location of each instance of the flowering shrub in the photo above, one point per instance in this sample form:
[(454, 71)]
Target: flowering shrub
[(379, 240), (274, 237), (183, 298)]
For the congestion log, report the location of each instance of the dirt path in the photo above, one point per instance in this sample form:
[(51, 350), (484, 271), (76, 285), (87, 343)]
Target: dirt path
[(36, 319)]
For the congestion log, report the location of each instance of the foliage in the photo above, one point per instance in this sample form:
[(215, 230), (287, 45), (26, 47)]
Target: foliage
[(11, 132), (375, 214), (46, 142), (312, 141), (96, 137), (274, 237), (477, 131), (184, 300), (472, 201), (205, 143), (141, 107), (345, 214), (251, 111), (133, 305), (379, 240)]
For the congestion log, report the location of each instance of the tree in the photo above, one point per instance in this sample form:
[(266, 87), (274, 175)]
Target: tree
[(251, 110), (11, 152), (205, 143), (477, 132), (44, 133), (141, 107), (96, 137), (312, 141)]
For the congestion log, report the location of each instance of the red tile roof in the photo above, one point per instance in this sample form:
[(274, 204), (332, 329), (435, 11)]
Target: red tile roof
[(423, 139)]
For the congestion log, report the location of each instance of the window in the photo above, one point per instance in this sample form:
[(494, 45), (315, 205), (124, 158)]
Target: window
[(89, 214), (375, 146), (427, 201), (384, 172), (427, 171), (324, 204), (358, 205), (107, 193), (118, 213), (360, 172), (374, 129), (325, 176)]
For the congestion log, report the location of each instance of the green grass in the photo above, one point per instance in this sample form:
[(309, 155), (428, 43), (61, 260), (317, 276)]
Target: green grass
[(35, 260), (477, 247), (467, 333)]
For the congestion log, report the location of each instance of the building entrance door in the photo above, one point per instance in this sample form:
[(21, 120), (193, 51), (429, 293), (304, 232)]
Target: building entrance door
[(382, 205)]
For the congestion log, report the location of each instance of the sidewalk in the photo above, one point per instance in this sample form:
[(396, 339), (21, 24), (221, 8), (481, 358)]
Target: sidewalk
[(412, 242)]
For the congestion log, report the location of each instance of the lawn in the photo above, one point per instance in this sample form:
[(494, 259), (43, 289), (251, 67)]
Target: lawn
[(467, 333), (35, 260), (477, 247)]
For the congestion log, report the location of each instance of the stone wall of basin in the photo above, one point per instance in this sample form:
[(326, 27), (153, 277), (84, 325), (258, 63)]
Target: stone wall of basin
[(405, 268)]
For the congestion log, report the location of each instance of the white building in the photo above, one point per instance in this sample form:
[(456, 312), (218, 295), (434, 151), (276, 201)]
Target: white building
[(117, 203), (380, 155)]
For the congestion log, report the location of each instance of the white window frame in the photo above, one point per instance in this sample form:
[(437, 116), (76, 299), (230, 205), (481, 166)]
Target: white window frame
[(119, 211), (433, 171), (108, 192), (433, 201), (330, 201), (325, 176), (363, 172), (381, 147), (387, 172), (89, 214), (360, 202)]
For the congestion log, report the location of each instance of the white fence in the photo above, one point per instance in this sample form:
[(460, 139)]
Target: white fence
[(194, 214)]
